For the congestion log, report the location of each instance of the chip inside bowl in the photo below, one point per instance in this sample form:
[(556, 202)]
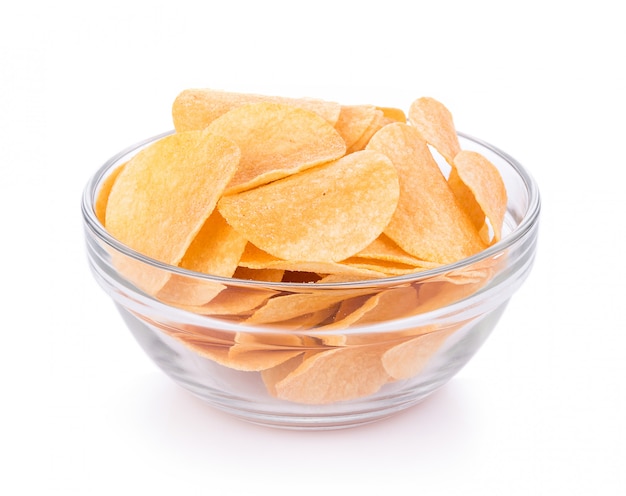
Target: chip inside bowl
[(165, 193), (323, 214)]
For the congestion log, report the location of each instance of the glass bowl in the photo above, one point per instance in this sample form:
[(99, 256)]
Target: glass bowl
[(341, 354)]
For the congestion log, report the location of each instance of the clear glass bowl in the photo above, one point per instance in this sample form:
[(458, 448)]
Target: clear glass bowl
[(422, 330)]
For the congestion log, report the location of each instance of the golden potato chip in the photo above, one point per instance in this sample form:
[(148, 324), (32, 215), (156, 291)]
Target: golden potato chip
[(349, 312), (436, 126), (310, 320), (338, 374), (323, 214), (390, 304), (294, 305), (428, 223), (384, 268), (234, 355), (195, 109), (216, 249), (467, 201), (234, 301), (166, 192), (409, 358), (188, 293), (201, 336), (255, 258), (354, 120), (276, 141), (347, 277), (102, 199), (394, 114), (383, 248), (200, 333), (376, 123), (483, 179), (277, 373), (253, 359), (437, 294), (215, 353)]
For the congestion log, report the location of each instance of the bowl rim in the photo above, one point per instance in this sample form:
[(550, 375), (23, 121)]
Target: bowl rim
[(527, 223)]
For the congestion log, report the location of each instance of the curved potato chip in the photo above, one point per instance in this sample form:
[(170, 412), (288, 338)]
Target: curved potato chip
[(188, 293), (376, 123), (166, 192), (338, 374), (255, 258), (428, 223), (276, 141), (277, 373), (383, 248), (467, 201), (216, 249), (323, 214), (384, 268), (436, 126), (102, 199), (353, 121), (483, 179), (194, 109), (232, 302), (392, 113), (243, 359), (252, 359), (409, 358), (294, 305)]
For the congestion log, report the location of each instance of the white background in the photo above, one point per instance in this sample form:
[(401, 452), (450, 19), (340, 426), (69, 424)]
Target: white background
[(539, 410)]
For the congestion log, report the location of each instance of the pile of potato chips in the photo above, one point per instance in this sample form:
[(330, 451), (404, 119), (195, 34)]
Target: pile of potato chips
[(306, 191)]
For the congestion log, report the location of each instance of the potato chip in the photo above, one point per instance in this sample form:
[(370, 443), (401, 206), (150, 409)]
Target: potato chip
[(383, 248), (435, 124), (409, 358), (338, 374), (392, 303), (376, 123), (483, 179), (195, 109), (255, 258), (234, 355), (323, 214), (384, 268), (235, 301), (445, 289), (348, 313), (276, 141), (294, 305), (393, 114), (274, 375), (102, 199), (253, 359), (166, 192), (467, 201), (216, 249), (310, 320), (189, 293), (354, 120), (428, 223)]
